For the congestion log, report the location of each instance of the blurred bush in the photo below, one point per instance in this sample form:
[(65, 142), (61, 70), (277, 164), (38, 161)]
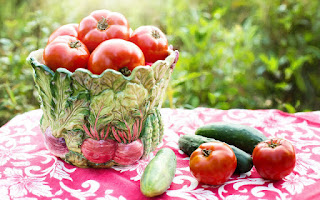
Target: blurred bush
[(245, 54), (233, 54)]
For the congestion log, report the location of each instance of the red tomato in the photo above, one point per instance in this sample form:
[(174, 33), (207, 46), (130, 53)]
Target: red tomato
[(213, 163), (274, 159), (116, 54), (152, 41), (68, 29), (66, 52), (103, 25)]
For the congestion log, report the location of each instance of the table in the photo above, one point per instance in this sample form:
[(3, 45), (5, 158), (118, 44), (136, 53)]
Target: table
[(29, 171)]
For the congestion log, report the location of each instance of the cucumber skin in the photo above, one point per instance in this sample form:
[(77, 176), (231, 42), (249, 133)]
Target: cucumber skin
[(189, 143), (159, 173), (241, 136)]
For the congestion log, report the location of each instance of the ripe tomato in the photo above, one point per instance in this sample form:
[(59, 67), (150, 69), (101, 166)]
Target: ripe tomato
[(152, 41), (66, 52), (213, 163), (102, 25), (274, 159), (68, 29), (116, 54)]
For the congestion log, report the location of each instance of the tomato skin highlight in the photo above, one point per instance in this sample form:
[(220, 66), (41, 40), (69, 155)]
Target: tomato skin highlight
[(274, 159), (68, 29), (103, 25), (213, 163), (152, 41), (66, 52), (115, 54)]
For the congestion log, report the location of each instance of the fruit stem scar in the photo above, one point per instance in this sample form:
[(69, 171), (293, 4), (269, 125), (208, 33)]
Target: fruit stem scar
[(102, 24), (206, 152), (125, 71), (273, 144), (75, 44), (155, 34)]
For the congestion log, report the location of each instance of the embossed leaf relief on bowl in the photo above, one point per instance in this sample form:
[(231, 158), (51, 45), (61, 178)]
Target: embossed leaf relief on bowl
[(102, 120)]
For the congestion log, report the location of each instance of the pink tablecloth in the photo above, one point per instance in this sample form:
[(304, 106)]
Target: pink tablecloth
[(29, 171)]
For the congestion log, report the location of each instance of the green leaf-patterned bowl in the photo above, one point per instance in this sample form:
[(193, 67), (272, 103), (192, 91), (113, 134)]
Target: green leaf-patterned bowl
[(102, 120)]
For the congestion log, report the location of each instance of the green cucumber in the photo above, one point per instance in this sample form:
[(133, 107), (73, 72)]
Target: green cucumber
[(159, 173), (241, 136), (189, 143)]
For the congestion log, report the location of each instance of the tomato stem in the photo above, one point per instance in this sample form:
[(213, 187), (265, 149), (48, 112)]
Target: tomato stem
[(273, 144), (102, 24), (75, 44), (155, 34), (206, 152), (125, 71)]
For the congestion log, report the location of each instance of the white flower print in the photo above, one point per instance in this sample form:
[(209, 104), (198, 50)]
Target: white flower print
[(92, 186), (57, 170), (190, 192), (10, 150), (305, 165), (27, 119), (172, 139), (138, 167), (19, 185), (272, 122), (208, 115), (295, 183), (4, 193), (237, 197), (108, 196)]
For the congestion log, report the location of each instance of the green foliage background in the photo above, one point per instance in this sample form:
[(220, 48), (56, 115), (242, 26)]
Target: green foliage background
[(247, 54)]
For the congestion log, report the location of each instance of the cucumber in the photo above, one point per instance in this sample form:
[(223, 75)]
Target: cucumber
[(189, 143), (159, 173), (241, 136)]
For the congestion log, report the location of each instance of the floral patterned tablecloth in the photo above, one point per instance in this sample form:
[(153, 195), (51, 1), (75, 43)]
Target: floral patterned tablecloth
[(29, 171)]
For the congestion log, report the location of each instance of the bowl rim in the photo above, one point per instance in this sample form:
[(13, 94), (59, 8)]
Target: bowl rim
[(35, 59)]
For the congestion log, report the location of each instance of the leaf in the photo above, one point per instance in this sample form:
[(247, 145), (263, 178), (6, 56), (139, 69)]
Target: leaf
[(271, 63), (188, 77), (156, 93), (60, 90), (77, 110), (160, 70), (144, 77), (76, 159), (290, 108), (133, 96), (81, 82), (111, 79), (73, 116), (74, 140), (101, 107), (42, 78)]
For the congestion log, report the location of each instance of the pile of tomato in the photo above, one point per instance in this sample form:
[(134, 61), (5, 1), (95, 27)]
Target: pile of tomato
[(104, 40)]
